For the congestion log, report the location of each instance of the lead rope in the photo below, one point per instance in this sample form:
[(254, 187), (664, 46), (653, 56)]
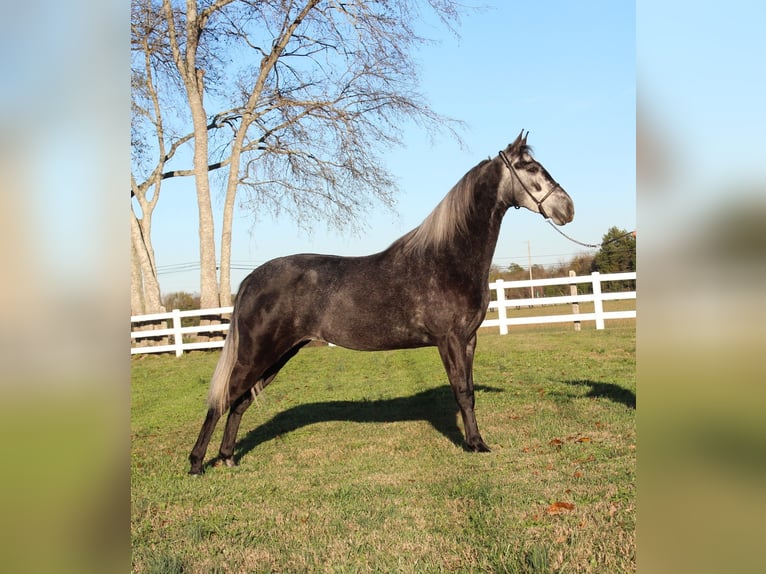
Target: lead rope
[(594, 245)]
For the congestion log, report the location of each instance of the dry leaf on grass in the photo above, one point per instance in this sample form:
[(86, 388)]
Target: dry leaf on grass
[(590, 458), (560, 507)]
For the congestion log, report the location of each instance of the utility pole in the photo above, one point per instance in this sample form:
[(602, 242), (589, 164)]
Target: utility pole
[(529, 258)]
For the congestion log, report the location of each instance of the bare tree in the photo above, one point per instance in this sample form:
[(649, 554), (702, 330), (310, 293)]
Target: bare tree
[(329, 95), (311, 93), (185, 45), (146, 39), (155, 85)]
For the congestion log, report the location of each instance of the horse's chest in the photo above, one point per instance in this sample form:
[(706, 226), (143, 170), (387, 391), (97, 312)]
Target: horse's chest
[(455, 305)]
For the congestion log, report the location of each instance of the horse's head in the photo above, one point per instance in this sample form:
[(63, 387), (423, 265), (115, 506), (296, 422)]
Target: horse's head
[(528, 184)]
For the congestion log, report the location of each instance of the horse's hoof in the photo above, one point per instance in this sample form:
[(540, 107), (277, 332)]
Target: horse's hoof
[(229, 461), (481, 446), (195, 472)]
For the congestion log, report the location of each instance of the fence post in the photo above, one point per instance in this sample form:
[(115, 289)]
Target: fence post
[(178, 337), (502, 316), (575, 306), (598, 303)]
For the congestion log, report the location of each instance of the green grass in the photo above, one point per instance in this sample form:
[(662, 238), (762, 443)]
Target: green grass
[(352, 462)]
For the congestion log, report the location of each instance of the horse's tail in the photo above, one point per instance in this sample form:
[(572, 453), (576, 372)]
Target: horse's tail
[(218, 396)]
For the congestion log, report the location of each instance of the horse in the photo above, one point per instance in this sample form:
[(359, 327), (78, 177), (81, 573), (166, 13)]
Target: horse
[(428, 288)]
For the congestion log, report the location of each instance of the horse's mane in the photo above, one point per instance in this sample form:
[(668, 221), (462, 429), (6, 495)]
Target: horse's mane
[(449, 217)]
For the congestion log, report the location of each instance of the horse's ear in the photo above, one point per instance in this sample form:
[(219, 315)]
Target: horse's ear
[(524, 139), (518, 142)]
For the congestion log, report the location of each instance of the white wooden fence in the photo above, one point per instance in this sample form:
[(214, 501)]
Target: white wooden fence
[(597, 298), (500, 303), (176, 331)]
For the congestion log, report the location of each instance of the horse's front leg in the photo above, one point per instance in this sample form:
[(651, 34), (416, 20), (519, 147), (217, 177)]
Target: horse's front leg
[(457, 356)]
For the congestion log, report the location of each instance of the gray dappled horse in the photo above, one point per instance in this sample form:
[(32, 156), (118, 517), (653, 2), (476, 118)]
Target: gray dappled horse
[(428, 288)]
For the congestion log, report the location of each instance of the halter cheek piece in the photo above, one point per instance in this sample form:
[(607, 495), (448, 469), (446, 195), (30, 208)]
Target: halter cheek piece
[(539, 202)]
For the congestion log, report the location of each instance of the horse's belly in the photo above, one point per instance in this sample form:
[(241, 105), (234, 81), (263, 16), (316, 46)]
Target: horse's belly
[(375, 334)]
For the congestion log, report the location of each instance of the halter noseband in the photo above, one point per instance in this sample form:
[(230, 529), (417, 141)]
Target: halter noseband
[(525, 188)]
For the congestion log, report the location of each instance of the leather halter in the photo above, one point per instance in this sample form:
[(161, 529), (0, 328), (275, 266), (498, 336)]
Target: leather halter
[(525, 188)]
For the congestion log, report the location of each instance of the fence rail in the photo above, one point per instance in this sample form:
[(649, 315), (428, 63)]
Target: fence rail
[(500, 303)]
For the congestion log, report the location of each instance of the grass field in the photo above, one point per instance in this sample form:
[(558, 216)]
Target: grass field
[(353, 462)]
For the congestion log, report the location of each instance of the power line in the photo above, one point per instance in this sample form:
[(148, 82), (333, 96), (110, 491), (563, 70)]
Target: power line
[(249, 265), (195, 265)]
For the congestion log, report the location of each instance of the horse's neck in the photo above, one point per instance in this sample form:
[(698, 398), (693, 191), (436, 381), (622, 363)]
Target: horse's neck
[(475, 248)]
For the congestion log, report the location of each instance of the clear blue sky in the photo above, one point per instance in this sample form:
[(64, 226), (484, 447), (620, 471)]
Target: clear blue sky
[(561, 69)]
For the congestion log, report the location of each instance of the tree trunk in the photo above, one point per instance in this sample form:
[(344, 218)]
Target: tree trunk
[(147, 282), (136, 284), (194, 82), (228, 217), (209, 296)]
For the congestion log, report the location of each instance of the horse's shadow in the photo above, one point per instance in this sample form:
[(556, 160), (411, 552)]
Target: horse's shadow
[(436, 406), (614, 393)]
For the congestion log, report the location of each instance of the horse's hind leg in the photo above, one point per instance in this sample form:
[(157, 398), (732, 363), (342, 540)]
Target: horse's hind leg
[(197, 456), (238, 408), (243, 402)]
